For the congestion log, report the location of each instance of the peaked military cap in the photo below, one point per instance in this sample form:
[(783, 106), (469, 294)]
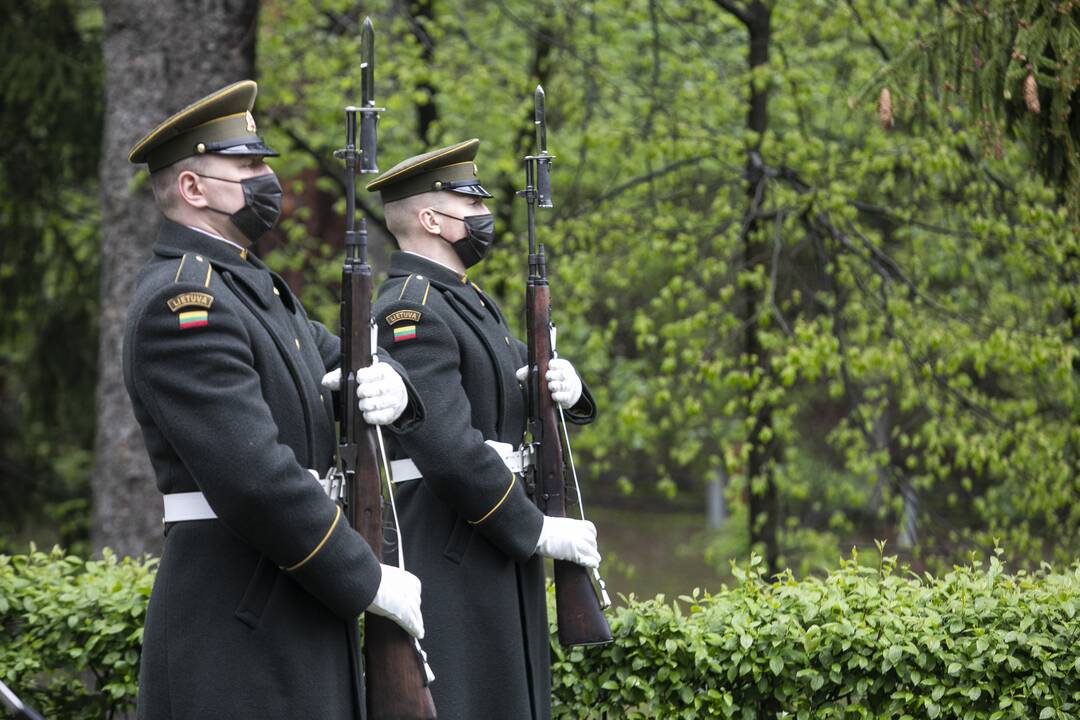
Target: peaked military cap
[(219, 123), (449, 168)]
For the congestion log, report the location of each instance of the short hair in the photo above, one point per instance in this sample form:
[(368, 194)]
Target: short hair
[(163, 181), (401, 214)]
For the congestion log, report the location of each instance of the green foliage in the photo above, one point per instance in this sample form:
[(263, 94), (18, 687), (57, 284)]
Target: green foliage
[(51, 83), (899, 308), (894, 317), (862, 642), (71, 630), (974, 644), (982, 54)]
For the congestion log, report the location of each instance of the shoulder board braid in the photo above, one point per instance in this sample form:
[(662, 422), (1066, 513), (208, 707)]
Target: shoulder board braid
[(194, 269), (415, 290)]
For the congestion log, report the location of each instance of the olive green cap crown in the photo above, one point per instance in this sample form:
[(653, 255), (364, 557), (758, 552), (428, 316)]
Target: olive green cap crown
[(220, 123), (447, 169)]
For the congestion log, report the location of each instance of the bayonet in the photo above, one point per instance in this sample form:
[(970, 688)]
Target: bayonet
[(369, 114), (538, 120), (542, 158)]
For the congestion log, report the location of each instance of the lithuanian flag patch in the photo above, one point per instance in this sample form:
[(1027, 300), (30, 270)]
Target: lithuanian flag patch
[(194, 319), (405, 332)]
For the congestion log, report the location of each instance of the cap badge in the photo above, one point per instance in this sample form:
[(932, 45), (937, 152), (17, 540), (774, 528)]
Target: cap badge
[(250, 122)]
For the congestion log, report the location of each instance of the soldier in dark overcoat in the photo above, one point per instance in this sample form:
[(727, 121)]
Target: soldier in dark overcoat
[(472, 530), (261, 581)]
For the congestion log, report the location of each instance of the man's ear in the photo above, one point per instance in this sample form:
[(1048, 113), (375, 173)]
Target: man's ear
[(191, 190), (429, 220)]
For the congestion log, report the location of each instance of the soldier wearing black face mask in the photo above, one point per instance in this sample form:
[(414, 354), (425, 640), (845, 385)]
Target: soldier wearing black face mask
[(254, 609), (476, 536)]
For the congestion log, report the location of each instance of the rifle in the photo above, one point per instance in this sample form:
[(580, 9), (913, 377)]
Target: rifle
[(12, 702), (396, 674), (579, 605)]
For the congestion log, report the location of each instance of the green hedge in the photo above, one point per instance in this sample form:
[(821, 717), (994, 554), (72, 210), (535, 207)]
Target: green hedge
[(71, 630), (860, 643)]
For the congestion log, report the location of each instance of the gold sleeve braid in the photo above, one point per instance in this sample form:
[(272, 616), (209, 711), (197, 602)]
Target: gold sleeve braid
[(513, 479), (313, 553)]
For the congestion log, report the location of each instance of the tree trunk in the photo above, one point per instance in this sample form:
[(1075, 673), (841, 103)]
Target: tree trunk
[(421, 15), (158, 58), (764, 511)]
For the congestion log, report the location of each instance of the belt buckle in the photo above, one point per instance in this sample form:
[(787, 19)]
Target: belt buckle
[(528, 452), (333, 484)]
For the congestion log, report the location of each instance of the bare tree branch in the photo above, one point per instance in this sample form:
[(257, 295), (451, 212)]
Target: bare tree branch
[(641, 179), (778, 222), (332, 171), (739, 12), (873, 39)]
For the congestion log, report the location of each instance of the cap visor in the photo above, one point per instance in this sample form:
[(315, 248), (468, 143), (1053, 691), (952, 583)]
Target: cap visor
[(472, 190), (251, 148)]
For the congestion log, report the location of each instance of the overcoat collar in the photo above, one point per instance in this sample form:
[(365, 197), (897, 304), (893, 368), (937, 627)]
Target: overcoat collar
[(403, 264), (175, 240), (407, 263)]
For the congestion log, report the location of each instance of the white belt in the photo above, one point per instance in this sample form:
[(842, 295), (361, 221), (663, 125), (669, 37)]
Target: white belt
[(181, 507), (516, 460), (186, 506)]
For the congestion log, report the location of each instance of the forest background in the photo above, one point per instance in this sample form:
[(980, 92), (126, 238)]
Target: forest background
[(817, 260)]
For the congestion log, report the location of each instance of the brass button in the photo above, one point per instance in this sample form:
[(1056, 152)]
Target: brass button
[(321, 398), (200, 148), (507, 341), (297, 343), (199, 258), (276, 292)]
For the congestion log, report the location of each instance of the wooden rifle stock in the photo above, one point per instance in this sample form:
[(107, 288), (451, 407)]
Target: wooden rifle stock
[(580, 618), (396, 686)]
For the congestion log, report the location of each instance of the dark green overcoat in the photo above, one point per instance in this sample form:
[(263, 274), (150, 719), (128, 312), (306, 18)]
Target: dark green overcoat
[(470, 526), (252, 615)]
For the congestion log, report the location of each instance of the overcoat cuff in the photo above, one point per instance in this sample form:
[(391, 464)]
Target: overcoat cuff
[(342, 572), (584, 410), (514, 525), (413, 415)]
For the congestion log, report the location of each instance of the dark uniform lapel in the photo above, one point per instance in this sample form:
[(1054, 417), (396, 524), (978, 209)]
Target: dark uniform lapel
[(269, 299), (485, 319)]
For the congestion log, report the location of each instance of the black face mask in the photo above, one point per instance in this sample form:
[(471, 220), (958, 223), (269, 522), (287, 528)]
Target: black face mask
[(262, 205), (479, 234)]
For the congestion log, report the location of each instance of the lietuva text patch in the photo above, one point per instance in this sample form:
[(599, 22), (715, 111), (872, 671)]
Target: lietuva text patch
[(191, 299), (399, 315)]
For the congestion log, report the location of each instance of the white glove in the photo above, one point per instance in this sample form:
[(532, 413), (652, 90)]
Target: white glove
[(382, 394), (380, 390), (563, 382), (398, 598), (569, 539), (332, 380)]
